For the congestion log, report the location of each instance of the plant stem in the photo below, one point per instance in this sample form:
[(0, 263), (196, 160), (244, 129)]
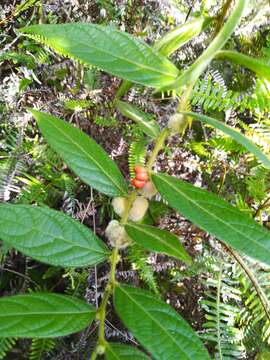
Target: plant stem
[(130, 199), (222, 15), (262, 206), (185, 98), (158, 146), (252, 278), (123, 89), (101, 312)]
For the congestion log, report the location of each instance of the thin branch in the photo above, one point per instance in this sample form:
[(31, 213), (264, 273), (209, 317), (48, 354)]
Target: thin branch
[(252, 278)]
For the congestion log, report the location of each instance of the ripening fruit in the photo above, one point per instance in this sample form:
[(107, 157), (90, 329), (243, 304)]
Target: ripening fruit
[(138, 209), (177, 123), (149, 190), (142, 176), (117, 235), (139, 169), (137, 183), (119, 205)]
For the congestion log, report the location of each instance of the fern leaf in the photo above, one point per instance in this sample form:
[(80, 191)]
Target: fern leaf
[(138, 257), (136, 156), (6, 344), (221, 311), (40, 347)]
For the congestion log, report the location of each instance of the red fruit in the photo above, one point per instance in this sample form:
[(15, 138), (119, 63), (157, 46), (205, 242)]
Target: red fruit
[(137, 183), (140, 169), (142, 176)]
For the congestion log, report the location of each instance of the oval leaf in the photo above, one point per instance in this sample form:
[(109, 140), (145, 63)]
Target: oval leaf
[(50, 236), (116, 351), (170, 42), (42, 315), (237, 136), (259, 67), (82, 154), (158, 240), (111, 50), (215, 216), (180, 35), (157, 326), (145, 121)]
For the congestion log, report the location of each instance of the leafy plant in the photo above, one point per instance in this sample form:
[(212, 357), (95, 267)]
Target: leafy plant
[(54, 238)]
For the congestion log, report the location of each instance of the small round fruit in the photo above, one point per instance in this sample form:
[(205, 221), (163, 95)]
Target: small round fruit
[(142, 176), (177, 123), (140, 169), (119, 205), (138, 209), (117, 235), (137, 183)]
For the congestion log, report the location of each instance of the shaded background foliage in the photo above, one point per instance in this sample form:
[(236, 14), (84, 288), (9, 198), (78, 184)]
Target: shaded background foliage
[(213, 294)]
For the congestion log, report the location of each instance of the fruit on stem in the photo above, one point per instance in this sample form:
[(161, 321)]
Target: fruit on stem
[(117, 235), (119, 205), (137, 183), (138, 209)]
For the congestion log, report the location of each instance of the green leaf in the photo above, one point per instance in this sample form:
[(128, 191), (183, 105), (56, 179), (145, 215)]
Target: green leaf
[(237, 136), (82, 154), (259, 67), (154, 239), (116, 351), (43, 315), (216, 216), (180, 35), (157, 326), (191, 75), (145, 121), (50, 236), (111, 50), (170, 42)]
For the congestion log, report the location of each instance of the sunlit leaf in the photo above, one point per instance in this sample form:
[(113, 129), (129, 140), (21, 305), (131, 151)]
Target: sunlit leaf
[(145, 121), (116, 52)]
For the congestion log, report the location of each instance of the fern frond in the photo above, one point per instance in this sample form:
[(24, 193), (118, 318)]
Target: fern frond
[(17, 58), (138, 258), (43, 56), (41, 347), (209, 94), (255, 324), (105, 121), (24, 5), (6, 344), (136, 155), (221, 306)]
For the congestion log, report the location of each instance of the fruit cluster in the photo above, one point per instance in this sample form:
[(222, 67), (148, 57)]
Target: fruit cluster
[(141, 177)]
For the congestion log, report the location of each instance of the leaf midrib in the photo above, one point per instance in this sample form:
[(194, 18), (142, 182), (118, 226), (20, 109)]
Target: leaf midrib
[(156, 237), (155, 321), (53, 123), (50, 42), (56, 237), (214, 216)]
